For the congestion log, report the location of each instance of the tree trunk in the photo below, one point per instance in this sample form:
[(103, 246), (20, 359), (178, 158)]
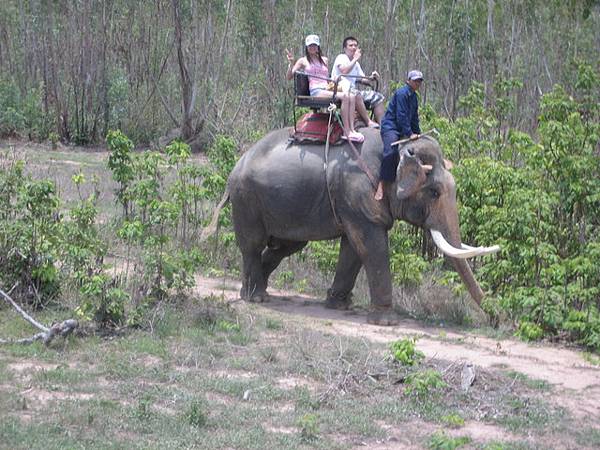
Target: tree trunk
[(187, 84)]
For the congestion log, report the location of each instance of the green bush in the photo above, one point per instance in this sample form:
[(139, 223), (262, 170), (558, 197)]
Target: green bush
[(103, 301), (441, 441), (30, 235), (529, 331), (405, 352), (424, 383), (195, 415), (45, 248), (23, 115), (309, 427)]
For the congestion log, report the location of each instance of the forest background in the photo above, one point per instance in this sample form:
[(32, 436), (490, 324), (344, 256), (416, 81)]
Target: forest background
[(513, 87)]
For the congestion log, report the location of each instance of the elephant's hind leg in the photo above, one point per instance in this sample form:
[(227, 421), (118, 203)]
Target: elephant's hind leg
[(339, 296), (254, 287), (251, 239)]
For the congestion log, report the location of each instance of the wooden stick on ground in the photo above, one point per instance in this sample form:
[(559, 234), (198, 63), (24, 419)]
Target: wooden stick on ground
[(47, 334)]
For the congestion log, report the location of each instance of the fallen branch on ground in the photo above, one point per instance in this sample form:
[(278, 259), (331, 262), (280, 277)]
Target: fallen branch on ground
[(47, 334)]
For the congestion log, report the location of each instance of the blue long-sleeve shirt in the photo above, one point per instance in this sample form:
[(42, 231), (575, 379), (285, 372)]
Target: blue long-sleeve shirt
[(402, 113)]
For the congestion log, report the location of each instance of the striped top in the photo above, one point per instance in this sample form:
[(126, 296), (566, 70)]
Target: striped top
[(319, 70)]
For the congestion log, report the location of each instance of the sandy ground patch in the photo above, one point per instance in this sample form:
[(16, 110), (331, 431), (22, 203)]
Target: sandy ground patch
[(576, 383)]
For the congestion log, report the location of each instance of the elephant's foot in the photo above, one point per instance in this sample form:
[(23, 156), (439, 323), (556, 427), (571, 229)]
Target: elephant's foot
[(338, 300), (254, 297), (259, 298), (383, 316)]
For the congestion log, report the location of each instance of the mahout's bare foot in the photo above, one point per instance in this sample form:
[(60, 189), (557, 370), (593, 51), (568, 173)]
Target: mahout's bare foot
[(379, 192)]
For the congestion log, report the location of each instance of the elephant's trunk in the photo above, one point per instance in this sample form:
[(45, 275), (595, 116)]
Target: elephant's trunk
[(466, 274)]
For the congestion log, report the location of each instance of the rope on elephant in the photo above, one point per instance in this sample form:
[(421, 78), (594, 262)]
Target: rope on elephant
[(363, 166), (332, 109)]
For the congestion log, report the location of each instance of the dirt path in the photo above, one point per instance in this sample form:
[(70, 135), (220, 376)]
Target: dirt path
[(575, 383)]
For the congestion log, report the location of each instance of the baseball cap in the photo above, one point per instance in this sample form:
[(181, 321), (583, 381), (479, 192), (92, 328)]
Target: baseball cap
[(312, 39), (415, 75)]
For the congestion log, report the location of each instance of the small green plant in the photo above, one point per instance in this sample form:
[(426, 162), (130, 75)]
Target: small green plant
[(225, 325), (441, 441), (120, 163), (405, 352), (424, 382), (453, 420), (195, 414), (143, 409), (309, 427)]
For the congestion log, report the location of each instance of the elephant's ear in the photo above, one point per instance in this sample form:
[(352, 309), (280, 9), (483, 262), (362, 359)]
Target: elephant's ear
[(411, 175)]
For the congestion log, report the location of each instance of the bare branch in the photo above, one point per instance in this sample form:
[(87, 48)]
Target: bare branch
[(26, 316), (47, 335)]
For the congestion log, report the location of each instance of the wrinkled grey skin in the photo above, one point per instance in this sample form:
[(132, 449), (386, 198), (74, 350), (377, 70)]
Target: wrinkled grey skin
[(280, 201)]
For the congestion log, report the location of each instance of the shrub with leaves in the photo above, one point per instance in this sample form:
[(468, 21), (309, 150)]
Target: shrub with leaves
[(529, 331), (121, 165), (30, 234), (162, 196), (425, 382), (103, 300), (45, 250), (404, 351), (309, 427), (441, 441), (195, 415)]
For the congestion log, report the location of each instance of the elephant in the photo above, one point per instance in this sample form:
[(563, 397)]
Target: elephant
[(284, 194)]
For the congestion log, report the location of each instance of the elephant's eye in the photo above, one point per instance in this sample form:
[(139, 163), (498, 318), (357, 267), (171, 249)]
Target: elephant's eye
[(434, 193)]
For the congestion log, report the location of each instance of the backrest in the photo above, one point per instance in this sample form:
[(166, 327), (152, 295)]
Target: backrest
[(301, 84)]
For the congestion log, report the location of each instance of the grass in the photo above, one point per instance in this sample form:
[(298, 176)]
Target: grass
[(533, 383), (591, 358), (212, 376), (524, 413)]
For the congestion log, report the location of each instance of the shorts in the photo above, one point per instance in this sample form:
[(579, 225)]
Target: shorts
[(315, 92), (371, 98)]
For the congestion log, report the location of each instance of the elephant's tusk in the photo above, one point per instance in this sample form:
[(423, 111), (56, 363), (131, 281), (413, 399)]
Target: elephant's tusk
[(483, 250), (464, 252)]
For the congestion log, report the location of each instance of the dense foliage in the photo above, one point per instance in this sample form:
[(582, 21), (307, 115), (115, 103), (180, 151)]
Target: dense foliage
[(51, 253), (539, 200)]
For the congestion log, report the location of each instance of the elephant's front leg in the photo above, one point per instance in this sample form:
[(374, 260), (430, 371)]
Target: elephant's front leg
[(371, 244), (339, 296)]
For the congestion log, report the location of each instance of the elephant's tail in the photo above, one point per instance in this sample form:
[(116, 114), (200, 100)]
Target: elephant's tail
[(212, 227)]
